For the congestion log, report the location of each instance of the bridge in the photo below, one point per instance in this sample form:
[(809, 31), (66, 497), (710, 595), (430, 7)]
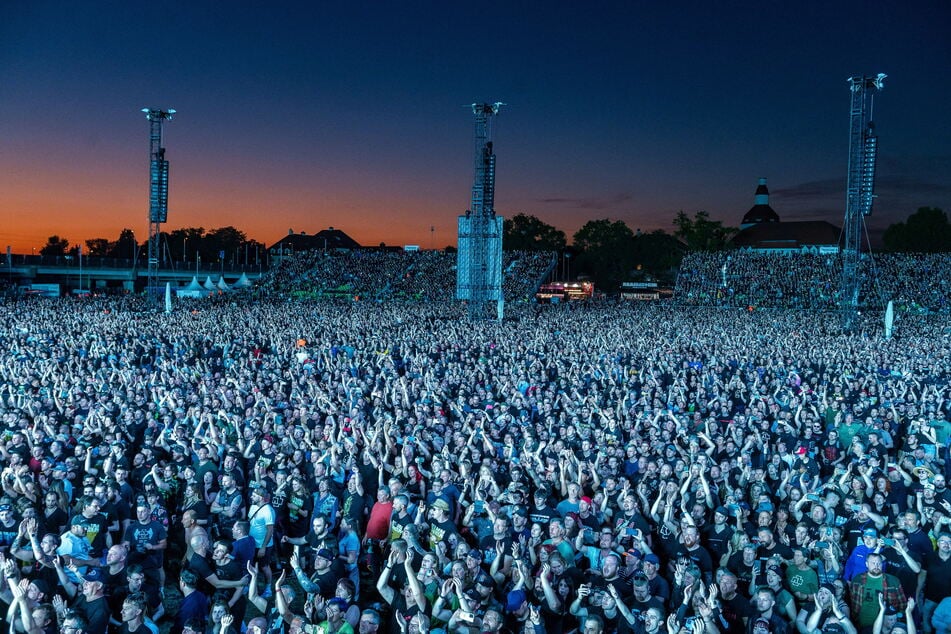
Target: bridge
[(115, 274)]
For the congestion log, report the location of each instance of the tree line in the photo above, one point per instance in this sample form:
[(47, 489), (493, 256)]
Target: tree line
[(605, 251), (180, 245)]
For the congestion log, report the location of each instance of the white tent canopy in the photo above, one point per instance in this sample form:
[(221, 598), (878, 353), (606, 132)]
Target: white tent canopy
[(243, 282)]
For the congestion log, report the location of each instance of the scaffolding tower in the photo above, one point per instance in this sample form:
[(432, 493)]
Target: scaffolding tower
[(863, 146), (479, 259), (158, 193)]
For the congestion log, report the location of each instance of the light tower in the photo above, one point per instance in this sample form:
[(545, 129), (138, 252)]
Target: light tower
[(863, 145), (158, 192), (479, 260)]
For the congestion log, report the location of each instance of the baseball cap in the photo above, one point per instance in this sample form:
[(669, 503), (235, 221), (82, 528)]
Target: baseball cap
[(651, 558), (95, 574), (515, 600), (441, 503), (325, 553)]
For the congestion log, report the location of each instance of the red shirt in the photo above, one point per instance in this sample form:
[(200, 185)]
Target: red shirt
[(378, 526)]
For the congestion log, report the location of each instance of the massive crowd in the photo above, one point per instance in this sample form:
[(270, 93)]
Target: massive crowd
[(245, 465), (914, 281)]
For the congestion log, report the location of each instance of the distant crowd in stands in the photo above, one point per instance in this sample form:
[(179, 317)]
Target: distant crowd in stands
[(737, 278), (395, 275)]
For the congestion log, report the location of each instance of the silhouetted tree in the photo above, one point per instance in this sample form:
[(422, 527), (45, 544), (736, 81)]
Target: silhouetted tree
[(657, 253), (125, 246), (522, 232), (925, 231), (702, 234), (227, 239), (605, 252), (55, 246), (184, 243), (98, 247)]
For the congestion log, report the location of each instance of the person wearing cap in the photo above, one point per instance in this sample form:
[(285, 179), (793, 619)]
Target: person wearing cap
[(441, 526), (855, 564), (326, 573), (75, 549), (717, 536), (88, 597), (520, 527)]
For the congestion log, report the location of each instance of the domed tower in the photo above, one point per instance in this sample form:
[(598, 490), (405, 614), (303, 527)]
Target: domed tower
[(760, 211)]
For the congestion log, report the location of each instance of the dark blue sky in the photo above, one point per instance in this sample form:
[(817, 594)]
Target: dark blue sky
[(307, 115)]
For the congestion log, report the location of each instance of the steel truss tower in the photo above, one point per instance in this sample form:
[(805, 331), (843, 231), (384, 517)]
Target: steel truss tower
[(158, 192), (479, 260), (863, 146)]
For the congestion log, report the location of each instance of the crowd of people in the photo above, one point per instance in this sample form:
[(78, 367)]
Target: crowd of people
[(394, 275), (914, 281), (265, 465)]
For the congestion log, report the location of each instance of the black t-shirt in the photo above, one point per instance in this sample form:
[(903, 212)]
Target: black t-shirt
[(354, 508), (97, 528), (141, 535), (938, 581), (95, 612), (488, 545), (52, 523), (717, 542), (896, 566), (202, 569), (699, 556), (299, 518), (542, 516)]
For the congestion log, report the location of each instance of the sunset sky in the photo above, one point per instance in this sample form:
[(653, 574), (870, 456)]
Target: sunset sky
[(301, 116)]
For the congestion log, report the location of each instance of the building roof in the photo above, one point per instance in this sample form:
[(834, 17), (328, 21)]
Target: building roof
[(760, 213), (327, 239), (788, 235)]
